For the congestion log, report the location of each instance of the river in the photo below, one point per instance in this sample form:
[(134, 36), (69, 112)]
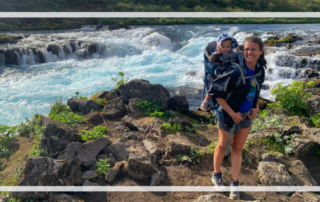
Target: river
[(159, 54)]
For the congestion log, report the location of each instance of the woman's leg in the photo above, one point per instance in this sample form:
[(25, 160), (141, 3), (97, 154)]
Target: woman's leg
[(236, 156), (220, 149)]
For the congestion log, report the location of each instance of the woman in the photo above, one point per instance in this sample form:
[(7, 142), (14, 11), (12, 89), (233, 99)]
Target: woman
[(238, 102)]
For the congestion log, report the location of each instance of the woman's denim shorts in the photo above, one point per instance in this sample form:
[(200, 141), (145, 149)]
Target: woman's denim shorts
[(245, 123)]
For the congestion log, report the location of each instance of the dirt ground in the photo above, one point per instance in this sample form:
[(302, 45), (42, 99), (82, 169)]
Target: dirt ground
[(176, 174)]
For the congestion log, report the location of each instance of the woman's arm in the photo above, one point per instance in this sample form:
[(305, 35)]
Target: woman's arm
[(235, 116)]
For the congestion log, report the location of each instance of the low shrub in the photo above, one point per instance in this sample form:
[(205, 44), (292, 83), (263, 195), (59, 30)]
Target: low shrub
[(98, 132), (103, 166), (292, 97), (120, 81)]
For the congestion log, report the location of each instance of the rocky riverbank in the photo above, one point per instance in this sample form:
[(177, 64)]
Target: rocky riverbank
[(172, 151)]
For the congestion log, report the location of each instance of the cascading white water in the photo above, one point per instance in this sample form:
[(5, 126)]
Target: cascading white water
[(160, 54)]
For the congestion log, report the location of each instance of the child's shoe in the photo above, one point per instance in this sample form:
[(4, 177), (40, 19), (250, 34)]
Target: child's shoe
[(204, 105)]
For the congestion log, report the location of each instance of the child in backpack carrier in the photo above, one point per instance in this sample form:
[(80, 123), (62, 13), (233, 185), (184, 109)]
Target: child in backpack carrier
[(225, 44)]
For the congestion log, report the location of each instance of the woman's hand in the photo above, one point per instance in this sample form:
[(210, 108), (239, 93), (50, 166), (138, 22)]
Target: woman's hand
[(236, 117), (255, 111)]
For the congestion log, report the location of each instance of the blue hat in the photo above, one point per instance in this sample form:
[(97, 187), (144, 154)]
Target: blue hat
[(222, 37)]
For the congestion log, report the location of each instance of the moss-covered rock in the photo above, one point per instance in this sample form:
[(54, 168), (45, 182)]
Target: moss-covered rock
[(5, 39)]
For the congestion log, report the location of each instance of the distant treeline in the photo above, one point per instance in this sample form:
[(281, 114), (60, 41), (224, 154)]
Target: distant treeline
[(160, 5), (7, 24)]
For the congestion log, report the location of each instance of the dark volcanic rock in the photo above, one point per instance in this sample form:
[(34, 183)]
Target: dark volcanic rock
[(84, 106), (57, 136), (178, 103), (11, 57), (145, 91), (84, 154), (54, 49), (92, 48), (119, 149), (141, 164), (115, 109), (133, 109), (94, 118), (44, 171), (114, 93)]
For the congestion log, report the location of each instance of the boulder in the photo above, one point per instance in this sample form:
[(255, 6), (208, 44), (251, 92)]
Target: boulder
[(90, 105), (113, 174), (130, 122), (119, 149), (133, 109), (88, 183), (152, 147), (307, 196), (278, 44), (152, 127), (272, 158), (303, 146), (191, 73), (87, 175), (121, 127), (114, 93), (84, 106), (131, 135), (56, 136), (39, 57), (274, 174), (102, 94), (84, 154), (66, 49), (90, 174), (115, 109), (75, 103), (291, 130), (156, 178), (64, 198), (311, 73), (178, 103), (141, 164), (301, 175), (92, 48), (44, 171), (54, 49), (314, 104), (306, 51), (179, 144), (212, 197), (10, 56), (312, 133), (73, 46), (94, 118), (145, 91), (99, 27)]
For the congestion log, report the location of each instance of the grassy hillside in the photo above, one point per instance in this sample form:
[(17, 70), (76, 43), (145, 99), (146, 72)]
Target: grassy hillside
[(160, 5)]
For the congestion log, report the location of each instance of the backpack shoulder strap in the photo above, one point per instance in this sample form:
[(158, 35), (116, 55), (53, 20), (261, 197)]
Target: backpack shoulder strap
[(242, 73)]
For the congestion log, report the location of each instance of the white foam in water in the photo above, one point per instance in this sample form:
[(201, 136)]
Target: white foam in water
[(240, 36), (233, 30), (156, 40), (160, 54)]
